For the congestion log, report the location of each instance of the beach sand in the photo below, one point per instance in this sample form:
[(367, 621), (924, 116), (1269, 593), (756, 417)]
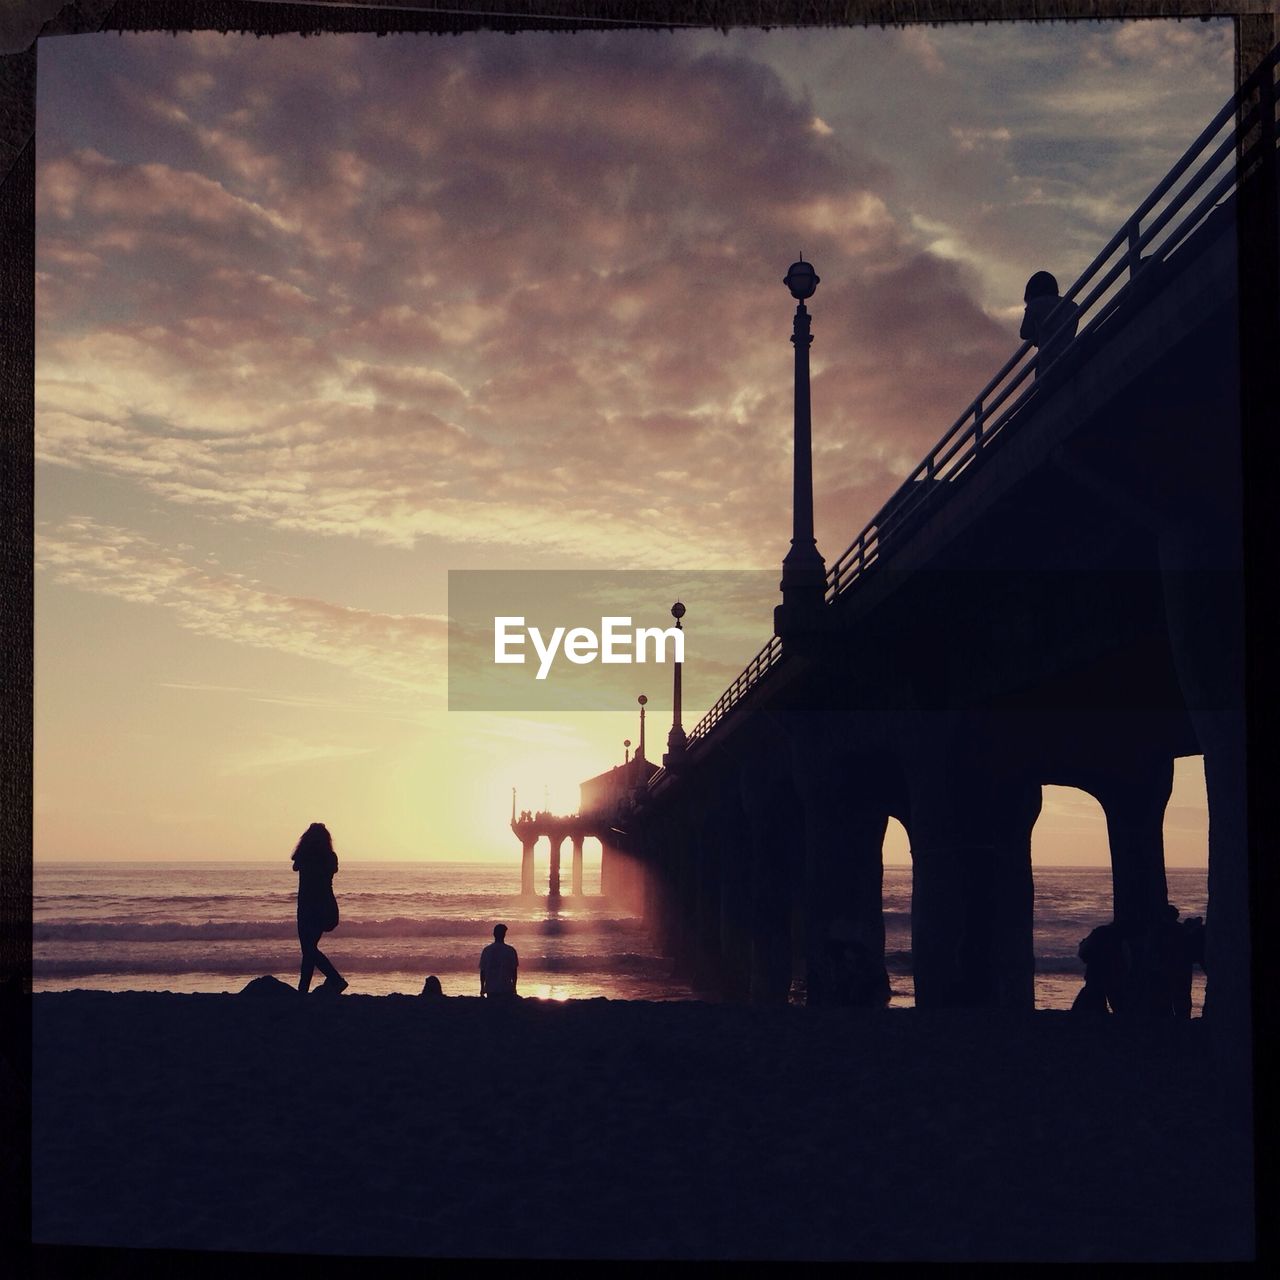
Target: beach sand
[(610, 1129)]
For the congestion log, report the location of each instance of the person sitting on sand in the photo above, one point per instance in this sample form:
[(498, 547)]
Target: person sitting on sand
[(316, 863), (498, 966), (431, 989)]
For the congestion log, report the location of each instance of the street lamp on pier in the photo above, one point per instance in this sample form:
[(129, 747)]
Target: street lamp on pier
[(676, 739), (804, 572)]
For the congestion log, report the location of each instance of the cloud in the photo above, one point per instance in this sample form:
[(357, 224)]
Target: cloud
[(1165, 47), (404, 650), (99, 188), (920, 45), (974, 139), (279, 751), (462, 290)]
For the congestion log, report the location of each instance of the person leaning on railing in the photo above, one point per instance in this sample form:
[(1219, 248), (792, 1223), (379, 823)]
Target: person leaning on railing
[(1049, 322)]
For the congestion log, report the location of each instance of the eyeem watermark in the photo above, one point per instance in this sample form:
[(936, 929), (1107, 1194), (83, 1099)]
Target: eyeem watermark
[(592, 640), (617, 641)]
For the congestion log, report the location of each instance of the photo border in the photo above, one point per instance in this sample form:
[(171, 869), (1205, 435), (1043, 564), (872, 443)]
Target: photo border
[(1257, 25)]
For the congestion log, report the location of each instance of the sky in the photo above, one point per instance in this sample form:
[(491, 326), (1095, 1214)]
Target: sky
[(320, 320)]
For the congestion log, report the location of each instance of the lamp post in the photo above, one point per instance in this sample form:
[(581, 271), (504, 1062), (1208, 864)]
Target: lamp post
[(804, 572), (640, 745), (676, 739)]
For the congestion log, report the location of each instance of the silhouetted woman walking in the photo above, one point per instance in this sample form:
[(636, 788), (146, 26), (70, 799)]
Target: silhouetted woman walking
[(315, 862)]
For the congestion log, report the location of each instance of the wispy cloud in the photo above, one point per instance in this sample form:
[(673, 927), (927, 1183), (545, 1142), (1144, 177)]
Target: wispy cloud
[(283, 752), (404, 650), (382, 709)]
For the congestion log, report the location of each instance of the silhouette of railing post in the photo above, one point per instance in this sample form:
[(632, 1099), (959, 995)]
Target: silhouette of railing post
[(1134, 255)]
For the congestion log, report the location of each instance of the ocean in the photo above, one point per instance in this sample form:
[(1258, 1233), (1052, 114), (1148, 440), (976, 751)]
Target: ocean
[(213, 926)]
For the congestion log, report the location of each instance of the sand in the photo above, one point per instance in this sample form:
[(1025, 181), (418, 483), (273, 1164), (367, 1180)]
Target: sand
[(610, 1129)]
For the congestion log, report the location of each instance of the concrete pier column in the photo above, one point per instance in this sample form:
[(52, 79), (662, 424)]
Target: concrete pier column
[(971, 889), (771, 950), (1204, 593), (610, 870), (684, 881), (1011, 948), (840, 886), (666, 858), (576, 880), (633, 881), (706, 972), (526, 867), (658, 885), (652, 884), (972, 902), (1134, 805), (618, 875), (649, 882), (670, 919), (735, 900), (843, 888), (775, 833), (625, 877), (1227, 949), (637, 880), (553, 885)]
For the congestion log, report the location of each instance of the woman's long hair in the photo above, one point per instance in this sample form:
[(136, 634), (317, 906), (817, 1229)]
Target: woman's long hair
[(315, 850), (1041, 285)]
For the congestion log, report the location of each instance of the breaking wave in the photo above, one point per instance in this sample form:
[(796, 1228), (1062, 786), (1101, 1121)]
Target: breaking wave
[(257, 960), (242, 930)]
